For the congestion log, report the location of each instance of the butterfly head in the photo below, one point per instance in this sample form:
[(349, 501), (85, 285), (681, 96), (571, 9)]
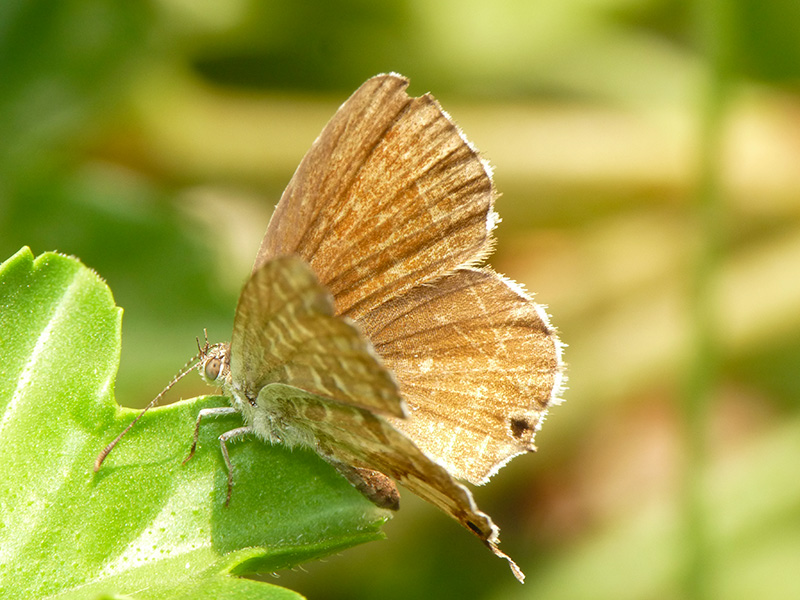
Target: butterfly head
[(214, 363)]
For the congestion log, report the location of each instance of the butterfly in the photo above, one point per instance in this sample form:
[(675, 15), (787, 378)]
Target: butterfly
[(366, 332)]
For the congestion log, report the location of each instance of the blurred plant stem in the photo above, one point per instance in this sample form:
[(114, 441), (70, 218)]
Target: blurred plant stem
[(713, 25)]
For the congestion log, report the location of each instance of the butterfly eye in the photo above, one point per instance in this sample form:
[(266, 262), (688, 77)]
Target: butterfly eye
[(211, 369)]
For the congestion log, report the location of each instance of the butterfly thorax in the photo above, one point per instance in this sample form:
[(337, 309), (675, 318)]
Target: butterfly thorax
[(271, 420)]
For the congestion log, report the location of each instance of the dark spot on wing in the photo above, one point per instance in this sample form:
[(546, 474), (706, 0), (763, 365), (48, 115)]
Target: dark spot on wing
[(520, 427), (475, 529)]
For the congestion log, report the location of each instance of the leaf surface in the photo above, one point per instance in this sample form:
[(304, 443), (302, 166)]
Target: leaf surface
[(145, 526)]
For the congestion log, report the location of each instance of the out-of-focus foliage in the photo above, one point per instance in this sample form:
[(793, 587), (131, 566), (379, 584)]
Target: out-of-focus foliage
[(151, 139)]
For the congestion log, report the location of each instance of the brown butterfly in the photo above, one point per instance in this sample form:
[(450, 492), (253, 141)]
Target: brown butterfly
[(364, 331)]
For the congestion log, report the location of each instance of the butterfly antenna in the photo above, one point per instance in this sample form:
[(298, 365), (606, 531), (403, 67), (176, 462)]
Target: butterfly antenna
[(202, 350), (190, 364)]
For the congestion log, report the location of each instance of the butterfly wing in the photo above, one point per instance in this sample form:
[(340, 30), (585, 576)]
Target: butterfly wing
[(391, 194), (318, 373), (388, 208), (285, 331), (359, 438), (478, 365)]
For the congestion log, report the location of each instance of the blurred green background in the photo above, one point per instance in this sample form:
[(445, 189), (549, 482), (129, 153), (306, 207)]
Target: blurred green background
[(648, 154)]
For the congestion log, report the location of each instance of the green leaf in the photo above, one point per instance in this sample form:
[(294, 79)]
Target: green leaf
[(145, 526)]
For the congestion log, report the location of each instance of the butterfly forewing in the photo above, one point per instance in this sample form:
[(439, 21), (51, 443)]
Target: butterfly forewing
[(285, 331), (330, 166), (389, 196), (477, 363)]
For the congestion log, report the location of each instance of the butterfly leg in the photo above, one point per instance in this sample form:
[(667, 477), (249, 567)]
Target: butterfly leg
[(223, 439), (206, 412)]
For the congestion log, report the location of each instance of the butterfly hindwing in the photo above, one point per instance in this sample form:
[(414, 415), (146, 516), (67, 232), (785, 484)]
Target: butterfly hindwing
[(477, 363)]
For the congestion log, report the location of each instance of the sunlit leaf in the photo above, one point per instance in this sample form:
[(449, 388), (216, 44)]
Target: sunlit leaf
[(145, 526)]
